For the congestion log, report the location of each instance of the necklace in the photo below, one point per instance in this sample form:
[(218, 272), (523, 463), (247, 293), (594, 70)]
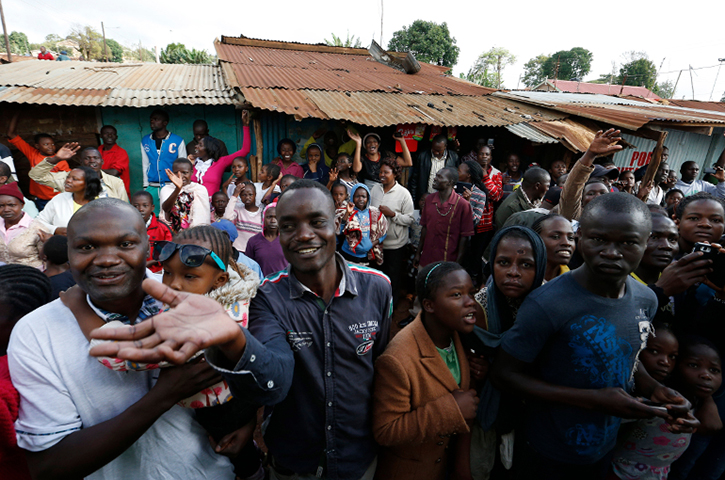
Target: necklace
[(450, 208)]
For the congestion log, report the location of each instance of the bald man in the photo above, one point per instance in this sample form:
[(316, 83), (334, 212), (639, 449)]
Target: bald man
[(533, 187)]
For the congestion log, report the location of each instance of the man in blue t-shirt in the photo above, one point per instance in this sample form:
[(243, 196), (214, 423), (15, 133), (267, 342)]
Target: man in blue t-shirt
[(159, 150), (573, 349)]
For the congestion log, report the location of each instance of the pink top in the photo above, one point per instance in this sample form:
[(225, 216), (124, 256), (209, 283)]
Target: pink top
[(212, 178), (9, 233), (294, 168)]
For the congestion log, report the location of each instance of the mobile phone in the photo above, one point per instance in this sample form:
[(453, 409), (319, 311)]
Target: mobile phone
[(460, 186), (717, 277)]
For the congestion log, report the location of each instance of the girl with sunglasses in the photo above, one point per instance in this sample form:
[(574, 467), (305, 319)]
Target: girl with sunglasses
[(200, 261)]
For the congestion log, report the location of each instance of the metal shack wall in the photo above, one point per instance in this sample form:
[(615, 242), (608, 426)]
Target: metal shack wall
[(133, 124), (683, 147)]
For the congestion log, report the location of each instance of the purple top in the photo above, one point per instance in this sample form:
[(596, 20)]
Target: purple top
[(445, 223), (267, 254)]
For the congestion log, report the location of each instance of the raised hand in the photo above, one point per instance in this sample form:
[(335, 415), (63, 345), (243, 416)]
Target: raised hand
[(333, 174), (604, 143), (350, 208), (67, 151), (684, 273), (193, 322), (354, 136), (175, 179)]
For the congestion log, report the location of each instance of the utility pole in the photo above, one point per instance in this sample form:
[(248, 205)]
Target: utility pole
[(105, 47), (381, 22), (5, 33), (556, 69), (140, 51)]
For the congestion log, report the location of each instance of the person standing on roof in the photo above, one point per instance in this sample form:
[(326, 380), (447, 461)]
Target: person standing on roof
[(159, 150), (45, 54)]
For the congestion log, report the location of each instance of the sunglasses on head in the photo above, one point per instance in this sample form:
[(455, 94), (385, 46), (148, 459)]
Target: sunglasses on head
[(190, 255)]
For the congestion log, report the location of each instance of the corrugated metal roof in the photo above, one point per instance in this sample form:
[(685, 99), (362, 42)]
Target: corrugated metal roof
[(573, 135), (133, 85), (524, 130), (698, 105), (378, 109), (267, 64), (604, 89), (617, 111)]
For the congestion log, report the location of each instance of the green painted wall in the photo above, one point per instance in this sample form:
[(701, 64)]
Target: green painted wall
[(133, 123)]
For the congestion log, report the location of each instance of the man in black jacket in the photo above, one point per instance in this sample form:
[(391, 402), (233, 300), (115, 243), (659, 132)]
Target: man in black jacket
[(429, 163)]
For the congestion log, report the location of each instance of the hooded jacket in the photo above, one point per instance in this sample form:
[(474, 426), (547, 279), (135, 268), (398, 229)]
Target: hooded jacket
[(361, 228)]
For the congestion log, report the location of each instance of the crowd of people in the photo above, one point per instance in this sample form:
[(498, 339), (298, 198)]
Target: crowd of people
[(565, 322)]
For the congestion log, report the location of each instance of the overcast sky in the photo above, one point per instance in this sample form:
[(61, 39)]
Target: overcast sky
[(675, 34)]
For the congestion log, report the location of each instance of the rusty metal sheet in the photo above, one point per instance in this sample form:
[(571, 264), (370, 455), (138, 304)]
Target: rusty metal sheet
[(134, 85), (378, 109), (575, 136)]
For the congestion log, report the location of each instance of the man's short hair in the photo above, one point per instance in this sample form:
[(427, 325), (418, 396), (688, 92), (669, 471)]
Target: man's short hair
[(685, 164), (41, 136), (5, 170), (451, 173), (160, 113), (143, 193), (440, 138), (90, 149), (201, 123), (617, 202), (182, 161), (306, 183), (535, 175), (55, 249), (109, 126)]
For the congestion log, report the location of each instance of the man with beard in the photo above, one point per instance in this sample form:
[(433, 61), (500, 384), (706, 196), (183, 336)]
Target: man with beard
[(78, 419)]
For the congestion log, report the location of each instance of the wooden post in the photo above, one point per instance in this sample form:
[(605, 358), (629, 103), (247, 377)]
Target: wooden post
[(105, 47), (260, 147), (654, 164), (5, 33)]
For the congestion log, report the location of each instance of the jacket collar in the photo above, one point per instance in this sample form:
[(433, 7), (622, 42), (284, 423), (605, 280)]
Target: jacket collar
[(347, 282), (432, 361)]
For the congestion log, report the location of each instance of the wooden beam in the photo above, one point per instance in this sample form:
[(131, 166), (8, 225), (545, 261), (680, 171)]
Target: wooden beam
[(654, 164), (260, 147), (700, 130)]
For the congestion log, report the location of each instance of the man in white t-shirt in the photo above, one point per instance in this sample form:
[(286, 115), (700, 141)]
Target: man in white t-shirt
[(79, 419), (690, 186)]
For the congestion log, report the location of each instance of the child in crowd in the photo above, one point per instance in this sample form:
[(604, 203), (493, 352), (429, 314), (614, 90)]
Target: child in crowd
[(240, 167), (364, 228), (422, 397), (340, 194), (184, 204), (575, 360), (219, 202), (157, 231), (673, 197), (626, 182), (199, 261), (558, 236), (264, 248), (55, 260), (648, 447), (343, 173), (699, 218), (269, 177), (315, 168), (284, 182), (518, 263), (247, 217)]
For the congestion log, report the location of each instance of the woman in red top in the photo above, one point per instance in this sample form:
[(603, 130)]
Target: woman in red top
[(208, 167)]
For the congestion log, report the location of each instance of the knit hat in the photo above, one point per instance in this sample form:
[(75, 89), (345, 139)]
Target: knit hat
[(371, 134), (12, 190)]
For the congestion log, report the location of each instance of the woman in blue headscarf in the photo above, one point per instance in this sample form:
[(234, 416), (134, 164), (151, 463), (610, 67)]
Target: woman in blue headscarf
[(363, 227), (518, 265)]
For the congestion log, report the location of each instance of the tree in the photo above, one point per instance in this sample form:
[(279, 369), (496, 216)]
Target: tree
[(639, 71), (723, 97), (350, 42), (428, 41), (90, 42), (568, 64), (115, 51), (140, 54), (178, 53), (18, 43), (488, 67), (534, 71), (665, 89)]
